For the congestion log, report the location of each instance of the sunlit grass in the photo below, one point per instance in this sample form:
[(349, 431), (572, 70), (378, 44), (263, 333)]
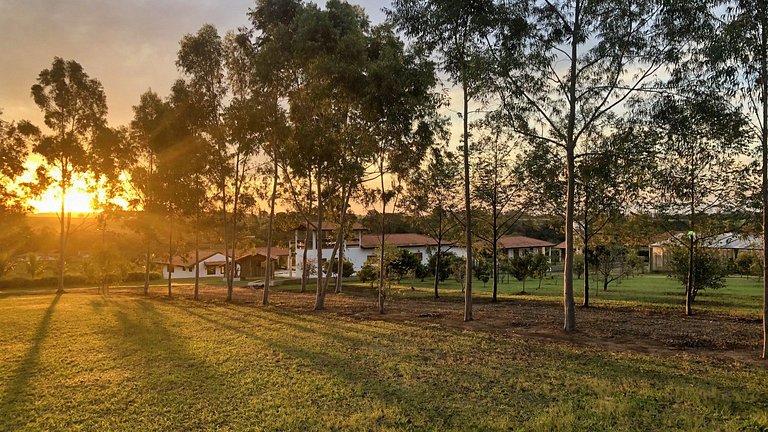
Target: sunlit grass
[(89, 362)]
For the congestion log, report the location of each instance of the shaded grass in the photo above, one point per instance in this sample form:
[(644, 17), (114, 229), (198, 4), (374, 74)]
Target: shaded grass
[(90, 362)]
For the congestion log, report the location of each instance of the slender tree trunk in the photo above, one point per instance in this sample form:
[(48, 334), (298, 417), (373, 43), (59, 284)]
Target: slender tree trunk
[(495, 256), (226, 236), (232, 269), (147, 264), (382, 296), (586, 255), (170, 253), (268, 276), (467, 208), (764, 148), (689, 286), (62, 239), (307, 236), (320, 295), (197, 256), (342, 236), (439, 257), (569, 305)]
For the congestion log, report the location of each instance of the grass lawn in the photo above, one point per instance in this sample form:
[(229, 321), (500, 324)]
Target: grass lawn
[(741, 296), (84, 361)]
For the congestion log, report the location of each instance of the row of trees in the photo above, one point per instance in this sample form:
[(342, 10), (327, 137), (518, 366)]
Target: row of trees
[(610, 107)]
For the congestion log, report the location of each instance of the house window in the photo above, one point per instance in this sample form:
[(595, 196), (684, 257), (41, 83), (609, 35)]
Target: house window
[(419, 256), (210, 270)]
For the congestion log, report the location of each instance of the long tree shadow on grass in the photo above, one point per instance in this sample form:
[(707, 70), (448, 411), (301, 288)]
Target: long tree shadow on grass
[(15, 391), (171, 379), (346, 364)]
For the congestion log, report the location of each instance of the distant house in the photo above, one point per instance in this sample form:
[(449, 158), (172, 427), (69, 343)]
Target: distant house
[(328, 237), (211, 264), (360, 248), (516, 246), (418, 244), (253, 263), (729, 245)]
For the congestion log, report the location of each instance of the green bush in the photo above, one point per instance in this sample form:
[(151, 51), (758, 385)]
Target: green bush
[(368, 273), (709, 269)]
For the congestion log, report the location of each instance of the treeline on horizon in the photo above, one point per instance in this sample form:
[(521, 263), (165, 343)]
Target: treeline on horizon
[(593, 112)]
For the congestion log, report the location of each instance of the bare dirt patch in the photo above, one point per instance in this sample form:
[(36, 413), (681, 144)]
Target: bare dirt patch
[(642, 329)]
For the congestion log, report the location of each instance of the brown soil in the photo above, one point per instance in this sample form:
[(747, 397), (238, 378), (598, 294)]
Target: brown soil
[(641, 330)]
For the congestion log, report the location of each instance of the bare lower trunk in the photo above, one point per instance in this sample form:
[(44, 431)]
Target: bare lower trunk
[(689, 285), (170, 253), (304, 266), (468, 211), (147, 264), (764, 148), (340, 241), (438, 260), (62, 242), (586, 256), (569, 305), (382, 296), (226, 239), (197, 258), (307, 233), (320, 294), (268, 276)]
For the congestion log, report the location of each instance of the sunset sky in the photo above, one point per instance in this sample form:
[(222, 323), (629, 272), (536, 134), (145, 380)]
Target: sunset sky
[(129, 45)]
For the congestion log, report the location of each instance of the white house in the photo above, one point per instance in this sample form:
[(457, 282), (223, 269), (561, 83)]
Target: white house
[(328, 237), (421, 245), (360, 248), (515, 246), (211, 264), (729, 245)]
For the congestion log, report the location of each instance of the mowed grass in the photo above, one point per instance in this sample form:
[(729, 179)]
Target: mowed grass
[(741, 296), (83, 361)]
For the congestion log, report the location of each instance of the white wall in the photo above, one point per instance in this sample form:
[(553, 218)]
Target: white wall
[(179, 273), (359, 256)]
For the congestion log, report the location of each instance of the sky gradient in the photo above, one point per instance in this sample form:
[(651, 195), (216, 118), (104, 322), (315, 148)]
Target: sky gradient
[(130, 46)]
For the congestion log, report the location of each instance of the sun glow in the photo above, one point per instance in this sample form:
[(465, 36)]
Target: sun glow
[(78, 199)]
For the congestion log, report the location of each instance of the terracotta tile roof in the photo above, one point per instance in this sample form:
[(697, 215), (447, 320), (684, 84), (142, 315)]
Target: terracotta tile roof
[(262, 251), (189, 259), (329, 226), (372, 241), (516, 242)]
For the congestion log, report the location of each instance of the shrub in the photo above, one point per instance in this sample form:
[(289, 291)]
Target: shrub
[(347, 270), (368, 273), (446, 260), (709, 269)]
